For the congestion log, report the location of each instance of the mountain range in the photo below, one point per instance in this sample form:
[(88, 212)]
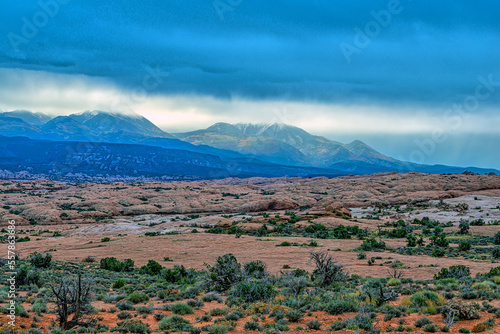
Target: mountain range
[(256, 149)]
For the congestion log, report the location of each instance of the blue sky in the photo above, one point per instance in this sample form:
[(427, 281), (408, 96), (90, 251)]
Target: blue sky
[(387, 72)]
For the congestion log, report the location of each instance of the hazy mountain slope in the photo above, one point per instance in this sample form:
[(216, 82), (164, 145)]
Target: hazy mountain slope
[(74, 160), (112, 123), (229, 137), (284, 144), (65, 128), (33, 118), (13, 126)]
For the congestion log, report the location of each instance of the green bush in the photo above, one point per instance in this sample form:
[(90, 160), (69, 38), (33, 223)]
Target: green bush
[(132, 326), (314, 325), (181, 309), (256, 269), (457, 272), (40, 260), (224, 273), (464, 245), (463, 330), (495, 253), (125, 305), (174, 323), (25, 275), (250, 291), (438, 252), (119, 283), (294, 316), (39, 307), (124, 315), (420, 298), (179, 275), (137, 297), (215, 312), (496, 238), (252, 326), (339, 306), (430, 328), (111, 263), (422, 322), (152, 268)]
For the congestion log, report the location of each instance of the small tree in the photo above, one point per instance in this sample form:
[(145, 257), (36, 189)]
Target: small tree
[(496, 238), (328, 270), (464, 227), (464, 245), (412, 241), (225, 272), (73, 296)]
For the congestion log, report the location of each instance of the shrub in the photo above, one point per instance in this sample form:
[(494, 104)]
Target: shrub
[(328, 270), (294, 315), (252, 326), (457, 272), (39, 307), (371, 244), (181, 308), (125, 305), (137, 297), (234, 316), (361, 255), (119, 283), (179, 274), (342, 305), (462, 311), (218, 311), (152, 268), (174, 323), (250, 291), (145, 309), (430, 328), (463, 330), (482, 327), (314, 325), (132, 326), (211, 296), (25, 275), (464, 227), (420, 298), (225, 272), (111, 263), (219, 328), (464, 245), (40, 260), (496, 238), (256, 269), (124, 315), (106, 239), (422, 322), (438, 252), (495, 253)]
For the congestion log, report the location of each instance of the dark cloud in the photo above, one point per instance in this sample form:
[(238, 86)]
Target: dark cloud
[(431, 52)]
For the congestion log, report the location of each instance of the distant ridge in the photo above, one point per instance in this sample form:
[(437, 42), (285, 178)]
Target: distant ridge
[(269, 146)]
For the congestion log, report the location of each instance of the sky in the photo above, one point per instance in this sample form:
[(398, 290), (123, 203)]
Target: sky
[(417, 80)]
